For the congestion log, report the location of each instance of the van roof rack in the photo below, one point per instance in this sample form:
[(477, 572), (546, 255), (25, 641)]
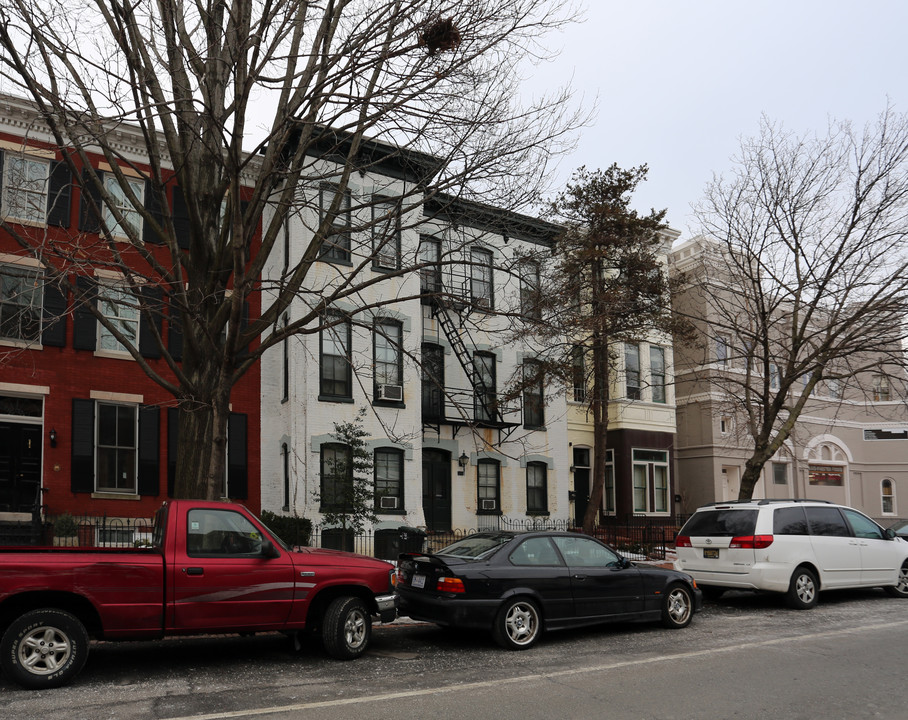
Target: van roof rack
[(766, 501)]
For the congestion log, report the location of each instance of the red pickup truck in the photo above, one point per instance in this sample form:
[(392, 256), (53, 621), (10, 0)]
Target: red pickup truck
[(213, 568)]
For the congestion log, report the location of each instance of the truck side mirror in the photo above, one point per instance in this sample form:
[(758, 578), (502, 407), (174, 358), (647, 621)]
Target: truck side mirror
[(268, 550)]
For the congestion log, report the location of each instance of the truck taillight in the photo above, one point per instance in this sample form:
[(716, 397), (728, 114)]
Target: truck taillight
[(751, 542), (682, 541), (450, 584), (395, 578)]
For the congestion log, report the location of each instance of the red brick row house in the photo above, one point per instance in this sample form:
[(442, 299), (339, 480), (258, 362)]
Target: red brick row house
[(83, 429)]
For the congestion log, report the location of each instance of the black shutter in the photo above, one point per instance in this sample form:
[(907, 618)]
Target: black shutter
[(149, 450), (85, 326), (175, 334), (90, 205), (155, 204), (148, 317), (53, 330), (59, 196), (237, 474), (172, 426), (82, 473), (180, 218)]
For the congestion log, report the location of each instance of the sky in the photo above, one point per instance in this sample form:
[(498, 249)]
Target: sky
[(678, 83)]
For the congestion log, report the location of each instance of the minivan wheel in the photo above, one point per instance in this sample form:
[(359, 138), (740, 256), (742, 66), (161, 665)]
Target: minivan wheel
[(900, 589), (804, 589)]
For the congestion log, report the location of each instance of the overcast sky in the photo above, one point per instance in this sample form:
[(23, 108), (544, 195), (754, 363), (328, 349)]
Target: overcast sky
[(680, 82)]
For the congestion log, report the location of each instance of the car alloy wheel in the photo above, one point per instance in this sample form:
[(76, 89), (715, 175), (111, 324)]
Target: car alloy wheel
[(803, 592), (900, 589), (518, 624), (677, 607)]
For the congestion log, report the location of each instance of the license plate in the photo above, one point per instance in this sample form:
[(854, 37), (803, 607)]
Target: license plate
[(710, 552), (419, 581)]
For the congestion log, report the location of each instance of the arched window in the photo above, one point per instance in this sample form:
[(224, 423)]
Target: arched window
[(887, 491)]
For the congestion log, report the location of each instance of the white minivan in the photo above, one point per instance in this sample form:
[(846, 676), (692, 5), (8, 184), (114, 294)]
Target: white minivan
[(796, 547)]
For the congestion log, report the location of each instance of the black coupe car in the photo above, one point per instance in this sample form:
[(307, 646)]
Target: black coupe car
[(518, 584)]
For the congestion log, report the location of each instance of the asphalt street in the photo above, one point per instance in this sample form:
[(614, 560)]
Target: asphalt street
[(747, 656)]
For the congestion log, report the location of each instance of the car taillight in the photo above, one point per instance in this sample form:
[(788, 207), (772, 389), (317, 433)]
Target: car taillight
[(751, 542), (682, 541), (450, 585)]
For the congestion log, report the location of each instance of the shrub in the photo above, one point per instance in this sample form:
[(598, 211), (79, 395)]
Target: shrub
[(292, 529), (66, 526)]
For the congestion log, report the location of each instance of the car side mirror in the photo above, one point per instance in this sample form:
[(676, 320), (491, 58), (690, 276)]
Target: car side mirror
[(889, 533), (268, 550)]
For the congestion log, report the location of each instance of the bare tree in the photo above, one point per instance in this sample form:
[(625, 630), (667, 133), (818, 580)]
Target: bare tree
[(805, 281), (240, 103), (604, 286)]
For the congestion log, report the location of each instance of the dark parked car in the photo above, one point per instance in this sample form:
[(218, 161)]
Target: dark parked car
[(518, 584), (900, 528)]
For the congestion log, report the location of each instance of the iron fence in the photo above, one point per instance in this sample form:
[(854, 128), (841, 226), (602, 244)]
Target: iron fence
[(638, 538)]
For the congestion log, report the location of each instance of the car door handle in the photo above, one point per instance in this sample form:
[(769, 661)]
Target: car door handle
[(579, 577), (194, 571)]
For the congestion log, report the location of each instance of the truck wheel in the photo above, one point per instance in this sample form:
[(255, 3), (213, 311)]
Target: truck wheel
[(44, 648), (346, 628)]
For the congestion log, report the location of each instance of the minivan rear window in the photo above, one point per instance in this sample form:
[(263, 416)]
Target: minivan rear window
[(789, 521), (722, 523)]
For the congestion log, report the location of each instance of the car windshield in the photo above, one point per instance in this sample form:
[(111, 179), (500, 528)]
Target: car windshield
[(720, 523), (476, 546)]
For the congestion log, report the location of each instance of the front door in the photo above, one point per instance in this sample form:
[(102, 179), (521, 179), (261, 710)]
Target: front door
[(20, 466), (436, 490)]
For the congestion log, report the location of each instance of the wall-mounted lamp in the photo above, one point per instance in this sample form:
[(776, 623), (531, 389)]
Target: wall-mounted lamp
[(53, 437), (462, 462)]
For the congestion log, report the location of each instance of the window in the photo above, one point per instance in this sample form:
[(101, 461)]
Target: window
[(722, 347), (25, 184), (433, 381), (826, 475), (530, 290), (881, 388), (20, 303), (789, 521), (430, 258), (608, 494), (221, 533), (578, 373), (725, 425), (116, 448), (285, 363), (388, 359), (534, 552), (888, 497), (335, 370), (773, 376), (120, 308), (386, 234), (827, 522), (389, 480), (657, 372), (484, 393), (131, 216), (650, 474), (632, 370), (533, 395), (337, 240), (586, 552), (481, 278), (834, 388), (488, 486), (537, 487), (336, 478), (779, 473)]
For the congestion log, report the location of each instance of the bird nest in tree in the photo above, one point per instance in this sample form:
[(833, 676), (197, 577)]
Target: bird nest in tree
[(439, 34)]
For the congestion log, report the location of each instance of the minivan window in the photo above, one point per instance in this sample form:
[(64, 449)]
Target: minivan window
[(827, 521), (789, 521), (863, 527), (722, 523)]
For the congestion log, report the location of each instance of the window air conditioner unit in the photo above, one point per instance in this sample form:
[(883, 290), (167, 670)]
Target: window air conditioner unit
[(390, 392), (389, 503), (387, 260), (482, 302), (488, 504)]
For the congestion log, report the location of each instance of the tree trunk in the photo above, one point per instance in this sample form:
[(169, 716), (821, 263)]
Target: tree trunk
[(600, 392)]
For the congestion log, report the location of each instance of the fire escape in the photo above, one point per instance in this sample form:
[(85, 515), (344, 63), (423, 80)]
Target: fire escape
[(479, 406)]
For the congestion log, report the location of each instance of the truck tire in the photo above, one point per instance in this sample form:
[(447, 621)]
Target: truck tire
[(346, 628), (44, 648)]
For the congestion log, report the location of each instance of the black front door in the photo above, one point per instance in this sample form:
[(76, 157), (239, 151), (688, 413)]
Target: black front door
[(20, 466), (436, 489)]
